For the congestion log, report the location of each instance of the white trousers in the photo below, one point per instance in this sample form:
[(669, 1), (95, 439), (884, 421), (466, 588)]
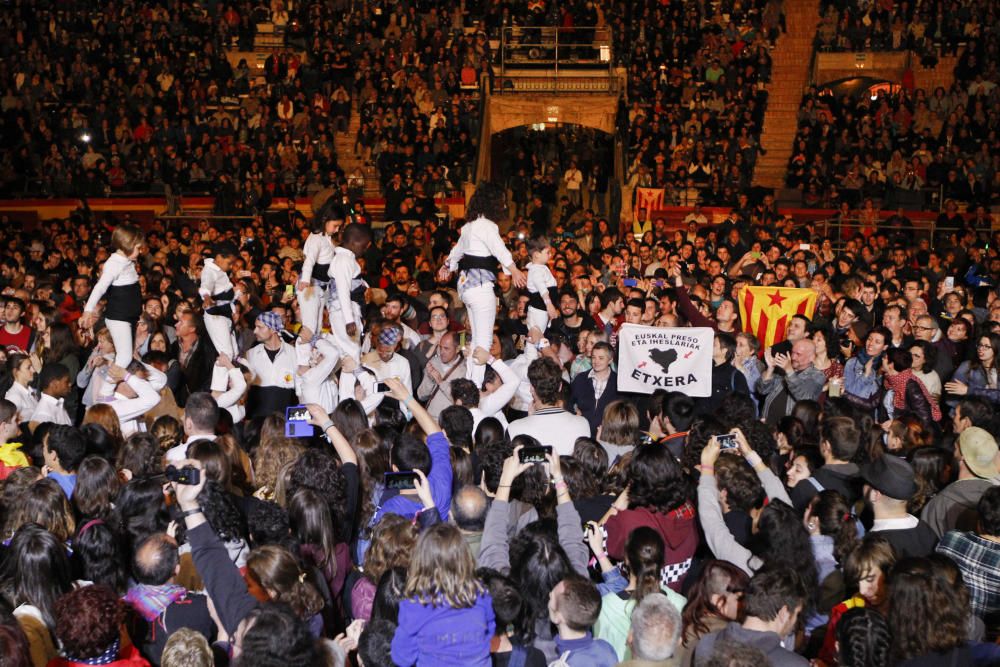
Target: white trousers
[(349, 346), (121, 336), (311, 303), (481, 306), (220, 331), (538, 318)]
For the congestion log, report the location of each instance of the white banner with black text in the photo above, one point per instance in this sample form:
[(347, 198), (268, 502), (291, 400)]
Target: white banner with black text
[(675, 359)]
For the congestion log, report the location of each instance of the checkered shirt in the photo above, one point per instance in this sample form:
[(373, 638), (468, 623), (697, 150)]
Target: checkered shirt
[(979, 561), (470, 278)]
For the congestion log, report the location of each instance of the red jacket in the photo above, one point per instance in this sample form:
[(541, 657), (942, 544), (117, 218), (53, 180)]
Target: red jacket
[(679, 530), (127, 657)]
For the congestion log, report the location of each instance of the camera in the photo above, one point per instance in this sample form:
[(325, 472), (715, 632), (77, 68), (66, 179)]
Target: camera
[(188, 475)]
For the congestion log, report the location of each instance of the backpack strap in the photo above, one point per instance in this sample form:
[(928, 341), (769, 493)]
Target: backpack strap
[(815, 482)]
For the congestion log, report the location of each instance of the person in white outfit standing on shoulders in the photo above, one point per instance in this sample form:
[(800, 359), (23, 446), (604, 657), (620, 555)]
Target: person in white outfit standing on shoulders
[(476, 255)]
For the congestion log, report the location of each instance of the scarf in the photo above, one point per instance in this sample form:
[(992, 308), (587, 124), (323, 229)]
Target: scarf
[(897, 383), (152, 601), (106, 658)]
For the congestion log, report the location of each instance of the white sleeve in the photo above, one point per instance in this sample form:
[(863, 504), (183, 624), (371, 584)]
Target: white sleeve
[(498, 248), (496, 401), (458, 250), (128, 409), (237, 387), (157, 378), (112, 269), (319, 373), (207, 282), (342, 275), (311, 251)]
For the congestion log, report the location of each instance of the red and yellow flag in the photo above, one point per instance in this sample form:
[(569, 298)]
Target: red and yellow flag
[(766, 311)]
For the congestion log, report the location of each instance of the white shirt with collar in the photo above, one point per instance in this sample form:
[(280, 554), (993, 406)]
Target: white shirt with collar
[(179, 453), (51, 409), (24, 399), (552, 426)]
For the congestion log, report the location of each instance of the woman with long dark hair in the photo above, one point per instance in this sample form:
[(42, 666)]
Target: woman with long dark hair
[(715, 600), (37, 574), (979, 376), (658, 496)]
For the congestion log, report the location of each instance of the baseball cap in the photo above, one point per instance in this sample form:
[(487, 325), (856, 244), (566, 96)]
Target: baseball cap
[(891, 476), (979, 451)]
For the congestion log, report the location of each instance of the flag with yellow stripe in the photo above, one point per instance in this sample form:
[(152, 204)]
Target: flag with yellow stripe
[(766, 311)]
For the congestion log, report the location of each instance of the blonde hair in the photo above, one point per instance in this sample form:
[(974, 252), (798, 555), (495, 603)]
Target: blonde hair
[(187, 648), (442, 570), (127, 238), (271, 456)]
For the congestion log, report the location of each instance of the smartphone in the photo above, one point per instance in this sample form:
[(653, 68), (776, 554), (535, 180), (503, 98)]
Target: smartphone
[(727, 441), (949, 282), (289, 290), (400, 480), (534, 454), (382, 388), (756, 255), (297, 422), (658, 283), (630, 282), (461, 340), (804, 246)]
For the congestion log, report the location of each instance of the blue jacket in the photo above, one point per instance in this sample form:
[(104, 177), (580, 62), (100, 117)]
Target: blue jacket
[(439, 480), (428, 635), (587, 652)]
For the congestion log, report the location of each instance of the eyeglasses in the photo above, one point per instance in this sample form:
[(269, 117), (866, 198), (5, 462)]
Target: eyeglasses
[(984, 346)]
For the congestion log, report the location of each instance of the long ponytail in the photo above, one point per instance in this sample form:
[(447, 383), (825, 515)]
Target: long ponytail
[(644, 553)]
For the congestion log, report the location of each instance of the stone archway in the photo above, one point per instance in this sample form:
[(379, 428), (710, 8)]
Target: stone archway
[(504, 112)]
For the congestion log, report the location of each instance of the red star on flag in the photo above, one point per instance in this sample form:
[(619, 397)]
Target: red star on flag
[(776, 298)]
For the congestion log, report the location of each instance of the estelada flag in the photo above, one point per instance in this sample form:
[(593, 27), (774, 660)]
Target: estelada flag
[(766, 311)]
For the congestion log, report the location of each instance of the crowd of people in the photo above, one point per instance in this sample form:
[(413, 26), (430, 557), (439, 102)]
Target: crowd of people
[(138, 98), (300, 444), (904, 146), (696, 80), (927, 28), (96, 106)]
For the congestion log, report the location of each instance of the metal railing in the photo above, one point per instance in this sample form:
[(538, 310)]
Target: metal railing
[(840, 230), (552, 59)]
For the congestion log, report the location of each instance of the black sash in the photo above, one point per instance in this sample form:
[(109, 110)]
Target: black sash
[(488, 263), (124, 303)]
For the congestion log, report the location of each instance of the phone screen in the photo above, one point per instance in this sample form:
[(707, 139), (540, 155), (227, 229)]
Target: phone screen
[(534, 454), (400, 480), (297, 414)]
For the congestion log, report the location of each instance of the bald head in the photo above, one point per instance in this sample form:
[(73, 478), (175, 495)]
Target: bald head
[(803, 353), (468, 508), (155, 560)]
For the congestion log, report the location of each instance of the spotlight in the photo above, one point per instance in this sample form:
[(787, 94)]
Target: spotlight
[(85, 138)]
